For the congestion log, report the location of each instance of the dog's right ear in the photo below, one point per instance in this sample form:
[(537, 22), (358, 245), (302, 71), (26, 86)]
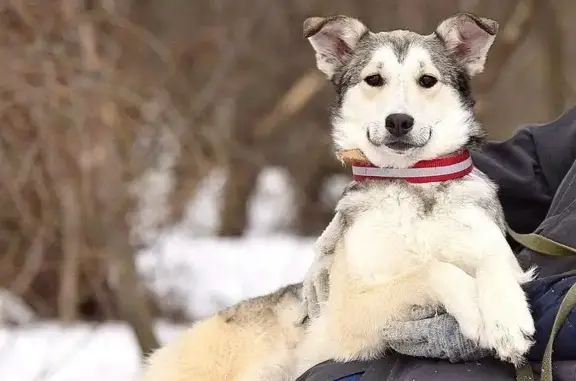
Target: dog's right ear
[(333, 39)]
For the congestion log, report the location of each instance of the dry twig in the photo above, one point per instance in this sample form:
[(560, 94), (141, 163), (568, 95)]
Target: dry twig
[(293, 100), (511, 35)]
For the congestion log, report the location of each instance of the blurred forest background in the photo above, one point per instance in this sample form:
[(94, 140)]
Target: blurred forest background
[(96, 94)]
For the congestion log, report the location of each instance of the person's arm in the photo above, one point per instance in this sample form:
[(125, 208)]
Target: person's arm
[(528, 168)]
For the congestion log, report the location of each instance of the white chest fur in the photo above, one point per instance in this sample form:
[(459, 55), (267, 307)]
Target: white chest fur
[(395, 226), (397, 245)]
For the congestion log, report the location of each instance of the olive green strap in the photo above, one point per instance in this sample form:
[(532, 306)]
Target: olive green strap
[(546, 246), (525, 373), (541, 244), (568, 303)]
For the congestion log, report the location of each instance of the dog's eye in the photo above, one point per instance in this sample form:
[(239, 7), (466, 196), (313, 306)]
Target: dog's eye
[(427, 81), (374, 80)]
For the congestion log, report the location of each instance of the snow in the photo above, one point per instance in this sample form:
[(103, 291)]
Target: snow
[(192, 271), (54, 352), (186, 267), (205, 275), (268, 212), (13, 309)]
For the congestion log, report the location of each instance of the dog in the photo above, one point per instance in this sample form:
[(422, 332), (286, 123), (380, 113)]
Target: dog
[(402, 99), (399, 238)]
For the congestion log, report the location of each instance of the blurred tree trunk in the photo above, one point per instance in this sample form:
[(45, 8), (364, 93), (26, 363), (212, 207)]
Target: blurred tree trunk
[(312, 215), (68, 300), (552, 41), (243, 170), (130, 293), (242, 175), (511, 35), (114, 193)]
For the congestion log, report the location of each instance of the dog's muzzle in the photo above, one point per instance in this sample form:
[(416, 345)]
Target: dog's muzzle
[(376, 136)]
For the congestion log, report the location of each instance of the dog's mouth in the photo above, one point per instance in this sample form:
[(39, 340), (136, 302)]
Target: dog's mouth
[(400, 146), (404, 144)]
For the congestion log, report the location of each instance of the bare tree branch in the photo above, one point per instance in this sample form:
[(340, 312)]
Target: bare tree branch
[(512, 34), (123, 275), (32, 266), (301, 91), (131, 298), (69, 271)]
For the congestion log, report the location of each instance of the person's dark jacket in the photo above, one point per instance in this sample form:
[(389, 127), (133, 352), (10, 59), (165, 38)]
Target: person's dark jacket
[(536, 174), (529, 169)]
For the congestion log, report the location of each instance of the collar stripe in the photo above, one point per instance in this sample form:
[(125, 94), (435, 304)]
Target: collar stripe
[(441, 169), (411, 172)]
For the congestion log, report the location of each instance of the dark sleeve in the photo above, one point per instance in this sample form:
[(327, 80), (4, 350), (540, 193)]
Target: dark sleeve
[(331, 370), (529, 168), (394, 367), (546, 295)]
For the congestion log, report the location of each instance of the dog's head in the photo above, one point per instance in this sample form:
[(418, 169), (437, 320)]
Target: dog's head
[(402, 97)]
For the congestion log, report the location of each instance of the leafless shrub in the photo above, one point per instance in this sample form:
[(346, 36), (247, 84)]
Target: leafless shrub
[(81, 120)]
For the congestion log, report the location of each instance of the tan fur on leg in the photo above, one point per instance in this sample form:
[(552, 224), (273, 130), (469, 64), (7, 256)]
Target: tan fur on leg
[(251, 341)]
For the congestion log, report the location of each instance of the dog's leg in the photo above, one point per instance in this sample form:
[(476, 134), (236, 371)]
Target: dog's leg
[(508, 324), (357, 313), (326, 243), (316, 283)]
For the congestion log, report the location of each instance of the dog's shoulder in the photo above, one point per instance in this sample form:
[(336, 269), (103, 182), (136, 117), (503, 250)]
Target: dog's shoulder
[(353, 201), (479, 192)]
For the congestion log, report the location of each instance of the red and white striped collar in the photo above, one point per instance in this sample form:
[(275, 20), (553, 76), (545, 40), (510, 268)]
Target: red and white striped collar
[(444, 168)]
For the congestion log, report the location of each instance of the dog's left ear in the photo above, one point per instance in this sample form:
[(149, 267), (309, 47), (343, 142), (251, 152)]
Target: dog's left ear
[(468, 38)]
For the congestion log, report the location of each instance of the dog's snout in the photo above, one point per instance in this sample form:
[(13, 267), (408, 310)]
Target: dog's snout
[(399, 124)]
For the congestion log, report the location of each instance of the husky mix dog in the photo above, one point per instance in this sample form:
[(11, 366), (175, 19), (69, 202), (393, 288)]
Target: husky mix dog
[(412, 230)]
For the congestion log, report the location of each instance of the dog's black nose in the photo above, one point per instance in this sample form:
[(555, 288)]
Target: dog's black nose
[(399, 124)]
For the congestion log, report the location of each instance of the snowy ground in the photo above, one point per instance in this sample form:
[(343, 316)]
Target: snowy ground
[(52, 352), (187, 268)]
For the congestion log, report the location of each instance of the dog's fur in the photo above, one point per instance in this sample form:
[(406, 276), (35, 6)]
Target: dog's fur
[(391, 245), (253, 340)]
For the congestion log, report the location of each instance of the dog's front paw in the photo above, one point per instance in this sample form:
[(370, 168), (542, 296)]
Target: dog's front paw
[(508, 329), (471, 324)]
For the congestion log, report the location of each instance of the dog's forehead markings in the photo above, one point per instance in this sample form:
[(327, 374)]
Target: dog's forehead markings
[(400, 41), (416, 60), (420, 59), (383, 58)]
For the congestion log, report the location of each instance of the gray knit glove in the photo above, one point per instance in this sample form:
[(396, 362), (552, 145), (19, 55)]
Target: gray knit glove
[(432, 333)]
